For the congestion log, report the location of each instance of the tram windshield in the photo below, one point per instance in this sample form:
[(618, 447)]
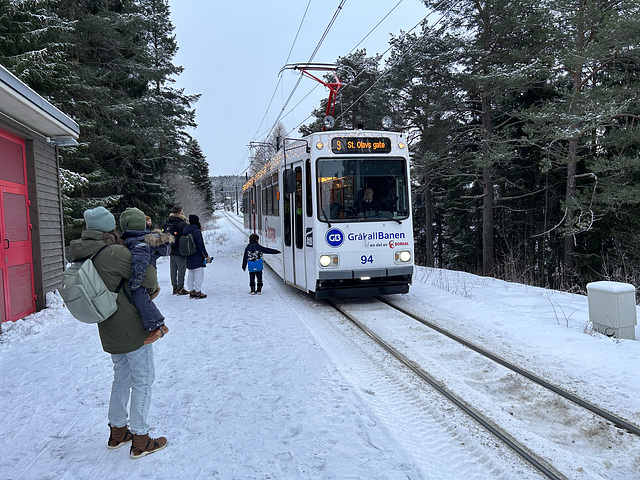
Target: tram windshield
[(362, 189)]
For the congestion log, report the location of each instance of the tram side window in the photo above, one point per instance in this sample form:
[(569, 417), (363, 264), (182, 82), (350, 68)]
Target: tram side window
[(263, 192), (276, 195), (286, 218), (298, 211), (309, 196), (245, 208)]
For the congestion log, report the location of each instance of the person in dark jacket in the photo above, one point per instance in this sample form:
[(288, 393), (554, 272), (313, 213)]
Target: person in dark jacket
[(197, 261), (122, 335), (253, 253), (178, 264), (145, 247)]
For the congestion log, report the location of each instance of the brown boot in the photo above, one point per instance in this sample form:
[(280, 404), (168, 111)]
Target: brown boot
[(183, 291), (119, 436), (156, 334), (144, 445)]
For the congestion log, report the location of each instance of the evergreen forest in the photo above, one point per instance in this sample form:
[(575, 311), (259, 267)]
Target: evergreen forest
[(108, 64), (522, 118)]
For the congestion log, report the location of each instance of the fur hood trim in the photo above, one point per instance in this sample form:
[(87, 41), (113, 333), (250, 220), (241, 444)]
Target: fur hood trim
[(158, 237), (177, 215)]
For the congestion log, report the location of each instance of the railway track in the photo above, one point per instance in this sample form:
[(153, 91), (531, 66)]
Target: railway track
[(492, 419)]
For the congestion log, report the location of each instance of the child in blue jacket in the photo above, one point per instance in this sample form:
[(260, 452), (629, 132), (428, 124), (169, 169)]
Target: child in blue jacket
[(145, 248), (253, 258)]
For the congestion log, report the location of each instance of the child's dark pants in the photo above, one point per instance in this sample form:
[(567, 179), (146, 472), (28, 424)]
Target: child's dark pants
[(252, 281)]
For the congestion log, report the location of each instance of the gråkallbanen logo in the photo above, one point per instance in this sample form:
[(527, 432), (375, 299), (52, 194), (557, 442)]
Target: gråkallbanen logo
[(334, 237)]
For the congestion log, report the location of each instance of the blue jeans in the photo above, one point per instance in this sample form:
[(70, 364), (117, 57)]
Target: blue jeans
[(133, 375)]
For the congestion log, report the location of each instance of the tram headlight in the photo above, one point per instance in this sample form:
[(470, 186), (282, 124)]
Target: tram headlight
[(387, 122), (329, 260), (403, 256)]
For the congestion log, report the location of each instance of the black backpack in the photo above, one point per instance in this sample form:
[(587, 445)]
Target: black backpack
[(172, 228)]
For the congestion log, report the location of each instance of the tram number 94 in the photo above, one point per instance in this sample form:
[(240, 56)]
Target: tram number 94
[(364, 259)]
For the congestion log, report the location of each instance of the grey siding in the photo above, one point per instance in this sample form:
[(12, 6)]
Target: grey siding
[(49, 211)]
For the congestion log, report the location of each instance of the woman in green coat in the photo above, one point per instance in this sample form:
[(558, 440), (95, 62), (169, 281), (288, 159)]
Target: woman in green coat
[(122, 335)]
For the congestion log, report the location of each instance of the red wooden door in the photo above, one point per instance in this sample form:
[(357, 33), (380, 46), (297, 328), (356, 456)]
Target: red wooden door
[(17, 297)]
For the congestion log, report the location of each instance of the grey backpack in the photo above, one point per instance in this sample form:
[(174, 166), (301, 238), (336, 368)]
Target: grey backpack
[(187, 245), (85, 294)]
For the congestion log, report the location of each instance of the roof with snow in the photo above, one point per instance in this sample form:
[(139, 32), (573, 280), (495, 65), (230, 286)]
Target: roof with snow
[(20, 103)]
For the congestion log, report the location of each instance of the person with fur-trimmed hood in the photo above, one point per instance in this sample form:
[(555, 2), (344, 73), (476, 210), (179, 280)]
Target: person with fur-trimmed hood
[(177, 264), (145, 247)]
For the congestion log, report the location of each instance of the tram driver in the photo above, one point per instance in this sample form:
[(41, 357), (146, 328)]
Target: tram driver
[(369, 206)]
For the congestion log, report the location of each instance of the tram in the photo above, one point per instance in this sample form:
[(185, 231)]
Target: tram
[(337, 204)]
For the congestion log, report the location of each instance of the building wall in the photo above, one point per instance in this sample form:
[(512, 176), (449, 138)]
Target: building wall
[(45, 211)]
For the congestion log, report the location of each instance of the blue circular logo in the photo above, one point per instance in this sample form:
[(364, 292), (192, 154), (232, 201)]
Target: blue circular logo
[(334, 237)]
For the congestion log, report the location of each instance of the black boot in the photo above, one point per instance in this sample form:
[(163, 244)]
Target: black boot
[(259, 290), (253, 289)]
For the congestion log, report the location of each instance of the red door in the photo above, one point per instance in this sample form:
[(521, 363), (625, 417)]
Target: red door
[(17, 297)]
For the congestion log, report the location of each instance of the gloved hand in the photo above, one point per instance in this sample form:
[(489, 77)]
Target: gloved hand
[(155, 293), (208, 260)]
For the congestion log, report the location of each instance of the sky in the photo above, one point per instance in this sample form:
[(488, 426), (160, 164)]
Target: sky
[(232, 53), (279, 387)]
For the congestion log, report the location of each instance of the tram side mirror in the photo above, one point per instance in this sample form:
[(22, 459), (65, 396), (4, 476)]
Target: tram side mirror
[(289, 179)]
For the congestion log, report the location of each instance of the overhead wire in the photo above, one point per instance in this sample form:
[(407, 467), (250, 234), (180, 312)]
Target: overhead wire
[(390, 69), (315, 51), (385, 73), (275, 90), (312, 56)]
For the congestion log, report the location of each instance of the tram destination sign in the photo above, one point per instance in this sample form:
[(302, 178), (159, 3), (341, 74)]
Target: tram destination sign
[(360, 145)]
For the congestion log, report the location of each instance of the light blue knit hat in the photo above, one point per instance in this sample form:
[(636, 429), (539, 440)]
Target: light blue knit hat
[(100, 219)]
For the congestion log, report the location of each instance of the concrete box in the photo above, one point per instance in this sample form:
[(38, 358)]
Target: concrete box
[(612, 309)]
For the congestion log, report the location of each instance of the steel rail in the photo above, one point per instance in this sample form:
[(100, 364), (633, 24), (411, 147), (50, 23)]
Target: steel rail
[(617, 421), (519, 449)]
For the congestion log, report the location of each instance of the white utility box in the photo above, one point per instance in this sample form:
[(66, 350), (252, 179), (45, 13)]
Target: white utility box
[(612, 309)]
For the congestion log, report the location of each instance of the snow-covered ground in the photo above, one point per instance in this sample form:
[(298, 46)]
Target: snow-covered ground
[(273, 387)]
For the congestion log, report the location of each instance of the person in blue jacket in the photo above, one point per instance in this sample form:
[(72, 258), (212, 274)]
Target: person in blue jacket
[(145, 247), (253, 258), (197, 261)]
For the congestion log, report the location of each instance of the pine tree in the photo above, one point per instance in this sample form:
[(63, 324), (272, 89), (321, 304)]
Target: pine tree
[(198, 170), (592, 114)]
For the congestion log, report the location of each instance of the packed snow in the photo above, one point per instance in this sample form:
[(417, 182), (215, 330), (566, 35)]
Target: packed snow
[(274, 387)]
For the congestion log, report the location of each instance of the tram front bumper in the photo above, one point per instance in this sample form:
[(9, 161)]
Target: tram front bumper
[(363, 283)]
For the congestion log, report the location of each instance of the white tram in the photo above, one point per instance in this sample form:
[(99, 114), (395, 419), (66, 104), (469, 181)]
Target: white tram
[(338, 207)]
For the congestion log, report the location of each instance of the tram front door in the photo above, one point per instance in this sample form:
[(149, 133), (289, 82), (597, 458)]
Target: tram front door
[(293, 230)]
